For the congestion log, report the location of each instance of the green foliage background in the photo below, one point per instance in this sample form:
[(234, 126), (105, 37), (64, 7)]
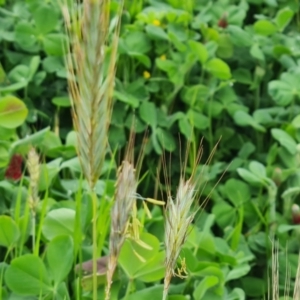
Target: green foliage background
[(186, 70)]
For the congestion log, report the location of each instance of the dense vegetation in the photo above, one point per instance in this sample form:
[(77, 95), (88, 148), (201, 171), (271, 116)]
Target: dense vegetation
[(188, 73)]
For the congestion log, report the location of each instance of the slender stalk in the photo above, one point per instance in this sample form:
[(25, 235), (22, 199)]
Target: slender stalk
[(91, 72), (95, 248), (33, 166)]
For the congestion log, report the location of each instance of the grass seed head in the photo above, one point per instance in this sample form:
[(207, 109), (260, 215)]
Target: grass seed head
[(33, 166), (123, 206), (90, 63)]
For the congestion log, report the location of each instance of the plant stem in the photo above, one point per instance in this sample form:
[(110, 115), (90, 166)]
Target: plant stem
[(210, 130), (129, 288), (272, 191), (95, 252)]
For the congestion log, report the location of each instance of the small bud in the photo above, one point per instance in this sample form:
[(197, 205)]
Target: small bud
[(14, 169), (156, 23), (222, 23), (277, 176), (146, 75), (296, 214)]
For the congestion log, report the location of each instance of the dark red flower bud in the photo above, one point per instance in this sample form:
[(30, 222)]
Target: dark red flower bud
[(222, 23), (296, 214), (14, 169)]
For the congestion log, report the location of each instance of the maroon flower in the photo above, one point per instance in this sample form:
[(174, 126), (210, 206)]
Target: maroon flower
[(14, 169), (296, 214), (223, 21)]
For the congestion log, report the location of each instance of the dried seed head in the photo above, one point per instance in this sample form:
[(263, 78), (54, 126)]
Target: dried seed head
[(120, 215), (121, 211), (33, 165), (179, 216)]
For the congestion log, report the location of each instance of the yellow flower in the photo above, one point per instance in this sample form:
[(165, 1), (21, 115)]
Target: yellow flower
[(156, 23), (163, 57), (146, 75)]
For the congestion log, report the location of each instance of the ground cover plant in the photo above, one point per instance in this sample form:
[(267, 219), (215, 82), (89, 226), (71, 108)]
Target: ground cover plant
[(106, 108)]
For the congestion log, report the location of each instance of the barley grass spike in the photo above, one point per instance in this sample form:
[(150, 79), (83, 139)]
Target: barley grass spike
[(91, 72)]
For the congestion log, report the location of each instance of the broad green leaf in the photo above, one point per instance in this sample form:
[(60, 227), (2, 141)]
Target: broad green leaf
[(239, 36), (137, 42), (296, 122), (257, 53), (4, 156), (237, 191), (54, 44), (153, 270), (205, 242), (283, 18), (237, 294), (156, 32), (225, 47), (53, 64), (285, 140), (58, 222), (263, 117), (242, 75), (156, 145), (22, 146), (242, 118), (283, 91), (225, 214), (28, 276), (238, 272), (206, 283), (48, 172), (153, 292), (166, 140), (249, 177), (13, 112), (254, 287), (214, 108), (280, 50), (26, 36), (9, 232), (172, 69), (258, 169), (58, 267), (195, 95), (142, 258), (45, 17), (247, 149), (264, 27), (62, 291), (33, 66), (61, 101), (198, 120), (147, 112), (293, 191), (176, 297), (127, 98), (19, 74), (212, 271), (218, 68), (285, 228), (185, 128), (180, 46), (143, 59), (199, 50)]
